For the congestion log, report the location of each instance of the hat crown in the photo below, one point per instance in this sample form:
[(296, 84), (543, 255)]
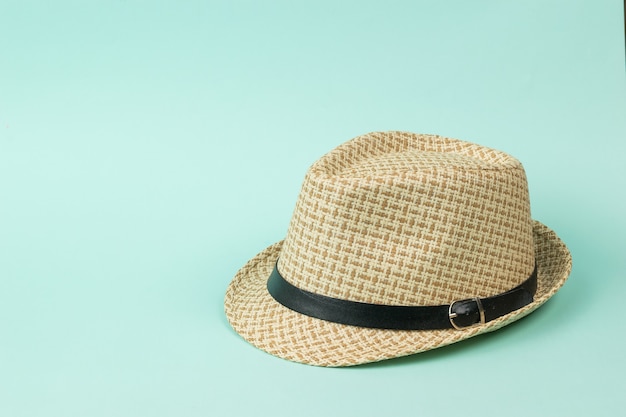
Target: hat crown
[(399, 218)]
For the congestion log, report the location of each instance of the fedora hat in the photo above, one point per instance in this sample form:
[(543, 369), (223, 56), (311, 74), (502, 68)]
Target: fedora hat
[(399, 243)]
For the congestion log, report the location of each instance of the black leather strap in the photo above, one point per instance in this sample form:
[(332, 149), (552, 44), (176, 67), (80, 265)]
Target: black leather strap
[(459, 314)]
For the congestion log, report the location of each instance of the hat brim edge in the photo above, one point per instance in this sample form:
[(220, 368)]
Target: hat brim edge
[(277, 330)]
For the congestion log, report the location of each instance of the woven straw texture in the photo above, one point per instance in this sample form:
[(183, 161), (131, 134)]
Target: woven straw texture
[(399, 219)]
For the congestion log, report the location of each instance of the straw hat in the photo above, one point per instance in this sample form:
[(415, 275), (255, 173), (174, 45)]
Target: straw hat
[(399, 243)]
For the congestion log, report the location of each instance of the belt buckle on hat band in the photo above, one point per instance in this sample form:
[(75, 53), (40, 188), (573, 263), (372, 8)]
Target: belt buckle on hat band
[(452, 315)]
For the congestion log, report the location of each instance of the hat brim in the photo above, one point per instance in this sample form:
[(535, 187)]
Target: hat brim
[(282, 332)]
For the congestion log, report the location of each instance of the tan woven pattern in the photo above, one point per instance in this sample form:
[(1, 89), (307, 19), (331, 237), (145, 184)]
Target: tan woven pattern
[(377, 144), (419, 221), (255, 315), (399, 219)]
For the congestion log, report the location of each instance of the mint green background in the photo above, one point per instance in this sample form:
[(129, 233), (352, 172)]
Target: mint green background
[(149, 149)]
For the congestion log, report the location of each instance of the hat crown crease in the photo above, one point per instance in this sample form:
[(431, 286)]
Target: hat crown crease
[(406, 219)]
